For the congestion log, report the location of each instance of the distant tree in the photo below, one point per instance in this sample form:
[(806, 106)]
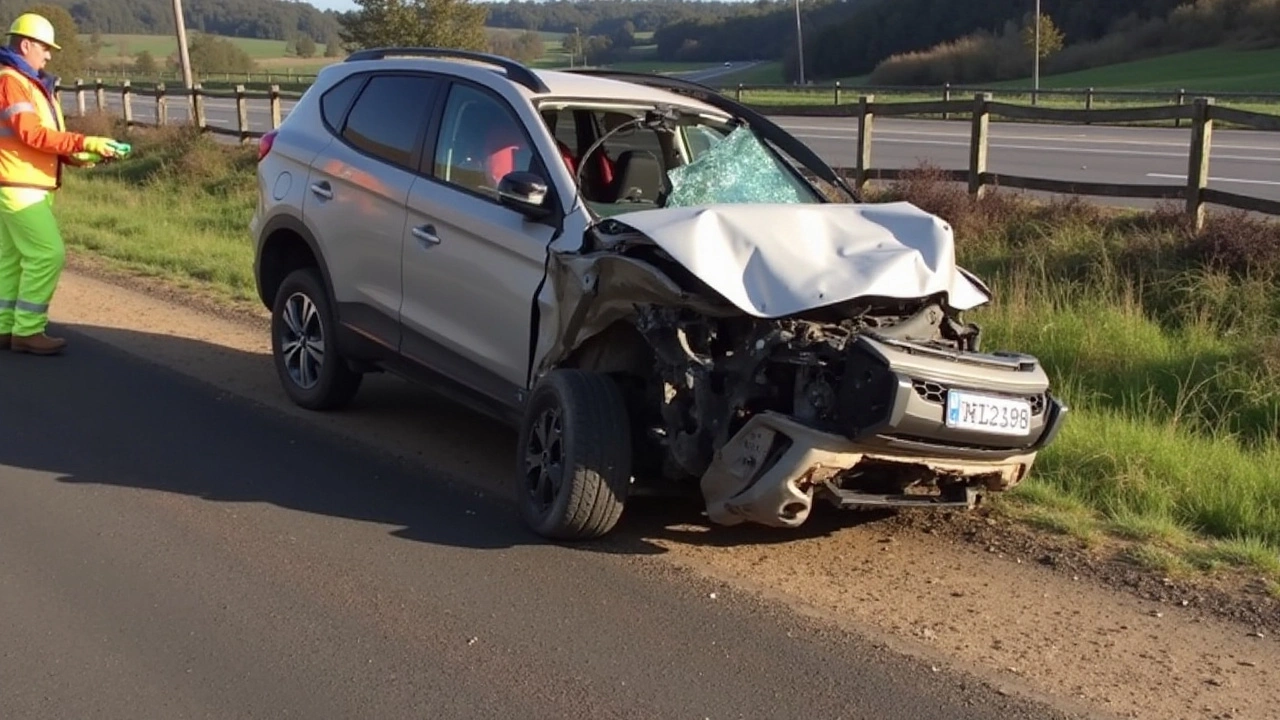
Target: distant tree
[(1051, 39), (306, 47), (72, 58), (145, 63), (333, 45), (210, 54), (437, 23), (95, 44)]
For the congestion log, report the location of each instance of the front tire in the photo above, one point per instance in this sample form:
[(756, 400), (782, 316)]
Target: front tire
[(574, 456), (304, 347)]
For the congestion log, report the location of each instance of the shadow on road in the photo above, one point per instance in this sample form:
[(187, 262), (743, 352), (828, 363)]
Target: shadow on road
[(100, 416)]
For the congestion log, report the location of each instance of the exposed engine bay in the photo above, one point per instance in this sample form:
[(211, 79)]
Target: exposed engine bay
[(848, 400)]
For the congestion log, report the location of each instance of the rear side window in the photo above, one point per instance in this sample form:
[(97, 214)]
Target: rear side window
[(335, 101), (388, 116)]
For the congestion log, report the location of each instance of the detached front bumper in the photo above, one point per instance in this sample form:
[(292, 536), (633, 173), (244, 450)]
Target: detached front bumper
[(929, 429)]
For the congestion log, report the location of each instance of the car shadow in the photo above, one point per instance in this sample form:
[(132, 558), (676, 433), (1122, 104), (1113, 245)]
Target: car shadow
[(117, 418)]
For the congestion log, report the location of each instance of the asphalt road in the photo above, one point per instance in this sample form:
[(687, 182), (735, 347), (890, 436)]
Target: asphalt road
[(1245, 162), (168, 551)]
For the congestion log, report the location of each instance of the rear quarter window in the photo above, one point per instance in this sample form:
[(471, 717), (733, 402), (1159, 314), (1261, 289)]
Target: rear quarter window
[(335, 101)]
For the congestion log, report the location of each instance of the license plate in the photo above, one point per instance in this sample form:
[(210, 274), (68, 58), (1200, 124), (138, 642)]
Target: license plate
[(987, 414)]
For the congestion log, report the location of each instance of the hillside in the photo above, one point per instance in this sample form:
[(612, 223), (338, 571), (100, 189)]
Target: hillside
[(262, 19), (1005, 54), (1208, 70), (845, 48)]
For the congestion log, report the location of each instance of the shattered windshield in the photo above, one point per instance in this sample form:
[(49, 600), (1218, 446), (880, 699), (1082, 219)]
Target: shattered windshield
[(628, 159), (735, 169)]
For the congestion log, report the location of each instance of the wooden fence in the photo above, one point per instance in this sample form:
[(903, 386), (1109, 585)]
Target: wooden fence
[(1201, 113)]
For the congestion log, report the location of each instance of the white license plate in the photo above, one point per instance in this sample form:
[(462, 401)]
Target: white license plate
[(987, 414)]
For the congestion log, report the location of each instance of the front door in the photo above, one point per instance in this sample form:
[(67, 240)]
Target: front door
[(472, 266)]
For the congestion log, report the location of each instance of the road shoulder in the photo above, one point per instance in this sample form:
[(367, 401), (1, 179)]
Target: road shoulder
[(958, 593)]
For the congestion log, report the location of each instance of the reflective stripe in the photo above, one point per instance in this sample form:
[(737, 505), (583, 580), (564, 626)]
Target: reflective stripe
[(25, 306), (8, 304), (17, 108)]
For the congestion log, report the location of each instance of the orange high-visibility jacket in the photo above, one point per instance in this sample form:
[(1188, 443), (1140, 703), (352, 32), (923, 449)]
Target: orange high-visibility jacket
[(32, 138)]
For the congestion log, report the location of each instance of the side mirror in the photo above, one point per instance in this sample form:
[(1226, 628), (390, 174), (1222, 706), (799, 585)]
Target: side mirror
[(524, 192)]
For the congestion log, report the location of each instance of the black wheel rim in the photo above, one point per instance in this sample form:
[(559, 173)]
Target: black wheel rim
[(544, 460), (302, 342)]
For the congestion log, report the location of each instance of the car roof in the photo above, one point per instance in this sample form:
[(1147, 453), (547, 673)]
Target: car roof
[(559, 84), (587, 87)]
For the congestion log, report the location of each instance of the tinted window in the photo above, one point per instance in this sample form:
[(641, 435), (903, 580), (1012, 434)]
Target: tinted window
[(334, 103), (481, 140), (388, 115)]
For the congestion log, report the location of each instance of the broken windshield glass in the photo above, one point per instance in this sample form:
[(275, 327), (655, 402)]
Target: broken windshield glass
[(737, 169)]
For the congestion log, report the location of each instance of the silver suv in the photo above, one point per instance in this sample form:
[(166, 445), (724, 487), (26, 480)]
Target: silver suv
[(660, 287)]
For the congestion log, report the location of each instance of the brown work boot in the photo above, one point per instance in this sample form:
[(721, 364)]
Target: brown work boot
[(40, 344)]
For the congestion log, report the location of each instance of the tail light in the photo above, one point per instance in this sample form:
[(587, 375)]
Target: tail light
[(265, 143)]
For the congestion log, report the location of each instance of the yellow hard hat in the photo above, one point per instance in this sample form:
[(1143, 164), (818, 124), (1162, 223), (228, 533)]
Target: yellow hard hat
[(36, 27)]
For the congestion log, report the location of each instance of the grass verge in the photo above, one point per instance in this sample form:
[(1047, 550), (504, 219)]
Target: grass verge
[(1165, 342)]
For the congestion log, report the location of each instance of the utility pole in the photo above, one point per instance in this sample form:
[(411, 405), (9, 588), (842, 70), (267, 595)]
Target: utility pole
[(184, 57), (800, 43), (1035, 72)]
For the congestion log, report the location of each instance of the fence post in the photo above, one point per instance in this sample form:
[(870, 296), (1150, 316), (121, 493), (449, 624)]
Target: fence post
[(738, 96), (1088, 104), (1198, 166), (242, 113), (1179, 99), (837, 92), (126, 102), (866, 116), (275, 106), (101, 92), (978, 143), (197, 105), (162, 106), (946, 97), (80, 107)]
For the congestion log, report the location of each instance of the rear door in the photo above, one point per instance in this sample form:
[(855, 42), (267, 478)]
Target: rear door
[(356, 195)]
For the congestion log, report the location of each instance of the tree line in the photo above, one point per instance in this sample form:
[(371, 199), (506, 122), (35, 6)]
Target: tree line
[(265, 19)]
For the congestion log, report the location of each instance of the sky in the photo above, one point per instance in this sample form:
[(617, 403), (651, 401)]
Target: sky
[(333, 4)]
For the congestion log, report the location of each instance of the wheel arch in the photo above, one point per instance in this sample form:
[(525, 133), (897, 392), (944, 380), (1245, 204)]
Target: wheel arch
[(288, 245)]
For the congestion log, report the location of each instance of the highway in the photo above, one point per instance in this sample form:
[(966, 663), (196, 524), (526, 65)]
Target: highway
[(174, 551), (1245, 162)]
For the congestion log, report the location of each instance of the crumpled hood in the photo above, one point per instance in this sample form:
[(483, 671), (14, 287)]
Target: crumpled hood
[(773, 260)]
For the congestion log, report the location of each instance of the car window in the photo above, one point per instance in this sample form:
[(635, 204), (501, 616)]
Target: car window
[(481, 140), (336, 100), (388, 115)]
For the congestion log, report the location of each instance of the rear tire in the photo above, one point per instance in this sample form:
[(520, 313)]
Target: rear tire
[(304, 347), (573, 461)]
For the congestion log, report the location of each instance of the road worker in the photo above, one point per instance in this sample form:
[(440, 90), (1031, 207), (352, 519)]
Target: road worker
[(34, 146)]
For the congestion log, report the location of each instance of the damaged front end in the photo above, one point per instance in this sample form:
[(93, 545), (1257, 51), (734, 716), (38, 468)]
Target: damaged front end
[(765, 382)]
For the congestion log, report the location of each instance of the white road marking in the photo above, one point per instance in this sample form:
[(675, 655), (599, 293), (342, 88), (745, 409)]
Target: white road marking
[(1167, 176), (1042, 138), (1044, 148)]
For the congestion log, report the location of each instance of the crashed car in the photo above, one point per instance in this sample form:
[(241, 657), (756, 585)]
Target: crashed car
[(660, 288)]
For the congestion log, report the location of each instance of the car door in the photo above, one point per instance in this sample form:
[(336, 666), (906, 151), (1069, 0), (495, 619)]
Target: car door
[(356, 196), (471, 265)]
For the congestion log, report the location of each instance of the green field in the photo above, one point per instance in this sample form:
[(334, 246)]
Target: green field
[(1210, 70)]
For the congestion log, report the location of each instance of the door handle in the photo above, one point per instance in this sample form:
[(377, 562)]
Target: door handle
[(322, 189), (427, 234)]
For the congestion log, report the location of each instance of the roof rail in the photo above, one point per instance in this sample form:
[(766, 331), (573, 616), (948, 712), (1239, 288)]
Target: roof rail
[(517, 72)]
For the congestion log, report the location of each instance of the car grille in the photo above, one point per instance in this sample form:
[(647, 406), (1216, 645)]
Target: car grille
[(936, 393)]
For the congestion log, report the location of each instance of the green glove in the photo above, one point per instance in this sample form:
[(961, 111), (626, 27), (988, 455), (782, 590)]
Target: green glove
[(106, 147)]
